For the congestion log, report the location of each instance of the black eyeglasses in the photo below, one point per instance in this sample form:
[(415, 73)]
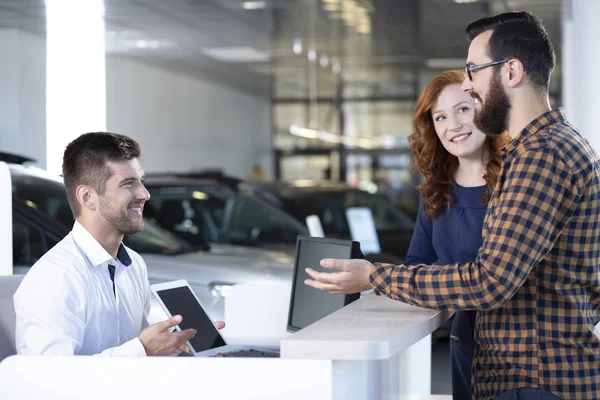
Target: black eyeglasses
[(471, 68)]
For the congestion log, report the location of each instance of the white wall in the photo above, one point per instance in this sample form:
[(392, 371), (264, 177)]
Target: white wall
[(23, 95), (183, 123), (580, 59)]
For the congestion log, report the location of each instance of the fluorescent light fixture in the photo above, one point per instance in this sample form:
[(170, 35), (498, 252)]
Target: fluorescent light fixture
[(336, 68), (237, 54), (199, 195), (324, 61), (254, 5), (446, 63), (351, 141), (465, 1), (297, 47), (75, 74), (304, 132)]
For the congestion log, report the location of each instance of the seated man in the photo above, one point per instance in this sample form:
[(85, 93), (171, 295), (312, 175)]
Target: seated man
[(90, 294)]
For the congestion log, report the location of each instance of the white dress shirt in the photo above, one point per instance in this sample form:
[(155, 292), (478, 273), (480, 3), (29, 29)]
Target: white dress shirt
[(66, 305)]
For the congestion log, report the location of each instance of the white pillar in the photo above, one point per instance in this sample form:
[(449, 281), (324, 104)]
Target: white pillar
[(6, 254), (75, 75), (23, 95), (580, 63)]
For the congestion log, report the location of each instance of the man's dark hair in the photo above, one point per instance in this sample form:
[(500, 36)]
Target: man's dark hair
[(519, 35), (85, 161)]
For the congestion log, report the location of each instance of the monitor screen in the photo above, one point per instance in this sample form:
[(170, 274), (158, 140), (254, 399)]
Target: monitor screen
[(307, 304), (181, 301)]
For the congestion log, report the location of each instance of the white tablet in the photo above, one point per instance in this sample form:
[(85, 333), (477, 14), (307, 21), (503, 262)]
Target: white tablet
[(177, 298)]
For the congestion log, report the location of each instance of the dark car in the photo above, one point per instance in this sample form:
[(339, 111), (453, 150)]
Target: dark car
[(42, 217), (200, 211), (329, 201), (268, 214)]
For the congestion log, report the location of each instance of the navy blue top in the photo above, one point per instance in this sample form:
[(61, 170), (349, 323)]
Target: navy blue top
[(454, 236)]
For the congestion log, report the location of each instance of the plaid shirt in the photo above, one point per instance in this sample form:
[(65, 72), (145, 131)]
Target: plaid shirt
[(536, 279)]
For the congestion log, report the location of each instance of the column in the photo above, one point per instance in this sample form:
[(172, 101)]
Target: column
[(75, 74), (580, 62)]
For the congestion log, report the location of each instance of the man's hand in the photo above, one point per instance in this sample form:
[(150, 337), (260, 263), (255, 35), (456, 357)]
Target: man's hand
[(158, 341), (184, 347), (353, 278)]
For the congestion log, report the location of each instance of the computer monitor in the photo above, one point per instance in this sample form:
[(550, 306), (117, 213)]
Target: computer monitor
[(307, 304)]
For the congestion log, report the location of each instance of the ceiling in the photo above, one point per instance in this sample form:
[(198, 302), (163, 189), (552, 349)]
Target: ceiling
[(295, 49)]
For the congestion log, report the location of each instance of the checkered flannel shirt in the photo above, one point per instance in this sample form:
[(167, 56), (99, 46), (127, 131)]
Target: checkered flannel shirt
[(536, 279)]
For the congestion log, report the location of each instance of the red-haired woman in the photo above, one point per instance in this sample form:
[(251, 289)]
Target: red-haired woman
[(460, 165)]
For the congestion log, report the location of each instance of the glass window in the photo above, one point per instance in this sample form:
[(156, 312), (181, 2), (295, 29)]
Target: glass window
[(331, 209), (44, 194), (156, 240), (252, 221), (194, 215), (47, 194), (28, 244), (385, 216)]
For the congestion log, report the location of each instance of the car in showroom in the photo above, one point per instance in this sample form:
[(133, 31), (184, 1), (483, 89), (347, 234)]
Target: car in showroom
[(206, 210), (42, 217), (269, 215), (329, 201)]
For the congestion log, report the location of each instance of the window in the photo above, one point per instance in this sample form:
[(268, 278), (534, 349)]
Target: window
[(193, 215), (331, 208), (253, 221), (28, 243), (43, 194)]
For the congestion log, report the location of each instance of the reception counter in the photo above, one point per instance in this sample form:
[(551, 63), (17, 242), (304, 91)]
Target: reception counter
[(375, 348)]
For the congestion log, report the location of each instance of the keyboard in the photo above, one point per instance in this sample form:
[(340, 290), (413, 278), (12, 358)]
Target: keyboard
[(251, 353)]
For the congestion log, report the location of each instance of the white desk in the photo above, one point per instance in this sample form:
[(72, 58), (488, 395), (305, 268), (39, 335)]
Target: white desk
[(380, 348), (375, 348)]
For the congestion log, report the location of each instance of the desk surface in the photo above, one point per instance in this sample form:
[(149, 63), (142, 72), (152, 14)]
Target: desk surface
[(371, 328)]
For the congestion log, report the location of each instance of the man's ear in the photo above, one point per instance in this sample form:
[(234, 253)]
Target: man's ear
[(87, 197), (516, 73)]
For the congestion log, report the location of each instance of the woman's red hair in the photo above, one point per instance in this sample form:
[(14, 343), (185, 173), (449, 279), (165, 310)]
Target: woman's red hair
[(436, 164)]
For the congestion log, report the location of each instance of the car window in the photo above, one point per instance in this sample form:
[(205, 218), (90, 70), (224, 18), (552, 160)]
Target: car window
[(28, 243), (49, 196), (156, 240), (385, 216), (45, 195), (254, 221), (194, 215), (331, 208)]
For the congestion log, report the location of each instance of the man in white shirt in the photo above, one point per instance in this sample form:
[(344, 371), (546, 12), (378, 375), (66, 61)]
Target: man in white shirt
[(90, 294)]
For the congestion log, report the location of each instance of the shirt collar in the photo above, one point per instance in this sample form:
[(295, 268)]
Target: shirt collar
[(93, 250), (547, 118)]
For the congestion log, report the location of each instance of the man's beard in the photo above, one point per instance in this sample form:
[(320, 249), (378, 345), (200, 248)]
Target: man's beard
[(120, 220), (492, 116)]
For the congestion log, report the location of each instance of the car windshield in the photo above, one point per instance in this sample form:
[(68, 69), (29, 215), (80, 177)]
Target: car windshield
[(331, 208), (46, 193), (217, 214)]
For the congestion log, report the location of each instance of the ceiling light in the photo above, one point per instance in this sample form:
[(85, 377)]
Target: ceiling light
[(254, 5), (312, 55), (336, 68), (297, 46), (324, 62), (465, 1), (445, 63), (237, 54)]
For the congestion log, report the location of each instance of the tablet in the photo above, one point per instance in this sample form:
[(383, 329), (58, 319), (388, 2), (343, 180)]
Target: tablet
[(177, 298)]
